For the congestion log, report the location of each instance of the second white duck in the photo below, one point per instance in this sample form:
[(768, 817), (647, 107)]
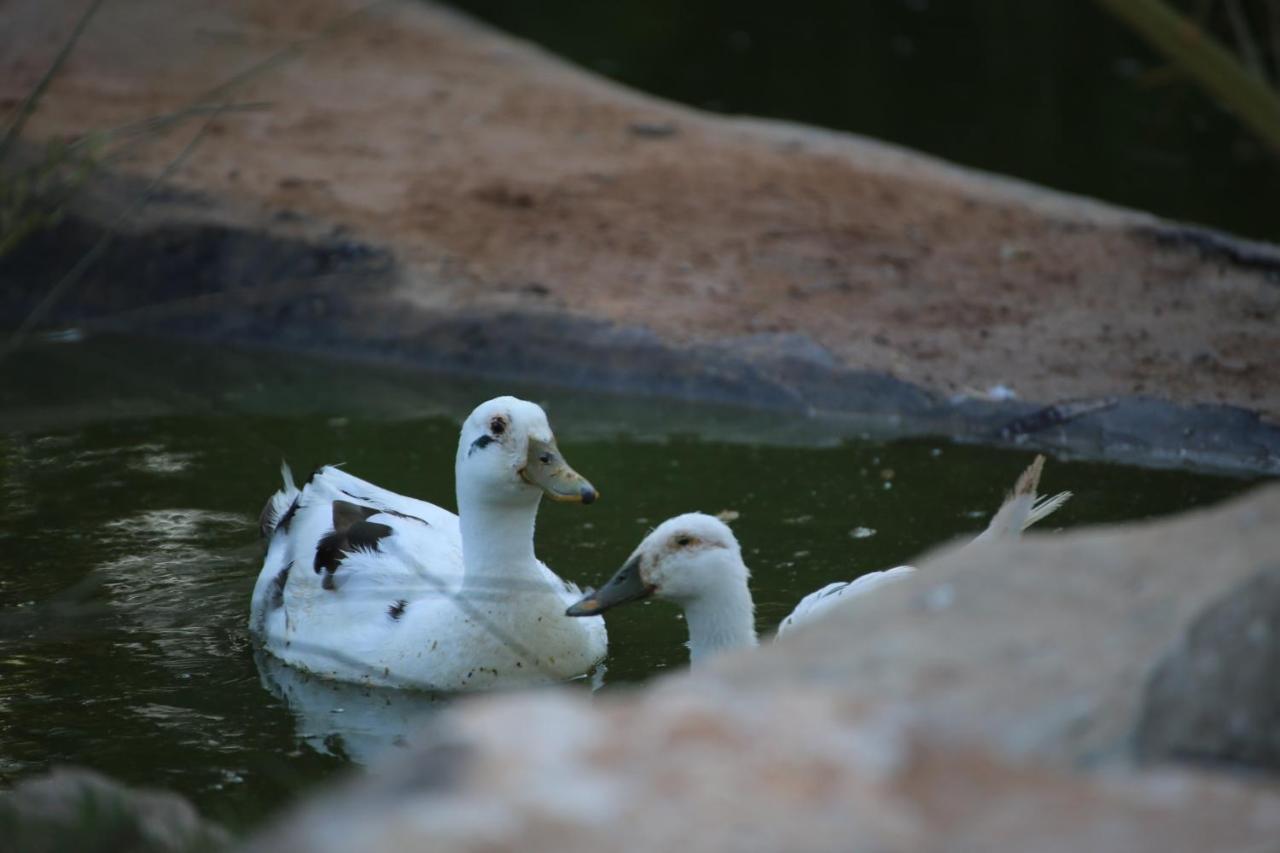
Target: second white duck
[(695, 561)]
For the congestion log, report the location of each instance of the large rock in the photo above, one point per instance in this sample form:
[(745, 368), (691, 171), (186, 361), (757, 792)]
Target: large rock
[(1045, 649), (72, 809), (1216, 696), (423, 188), (699, 767), (995, 702)]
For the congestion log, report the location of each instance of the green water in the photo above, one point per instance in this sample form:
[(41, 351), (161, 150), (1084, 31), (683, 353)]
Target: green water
[(131, 476), (1053, 91)]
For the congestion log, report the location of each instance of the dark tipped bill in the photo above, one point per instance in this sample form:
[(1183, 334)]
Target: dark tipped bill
[(546, 469), (626, 585)]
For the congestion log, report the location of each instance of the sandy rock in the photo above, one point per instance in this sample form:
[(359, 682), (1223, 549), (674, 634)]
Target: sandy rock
[(1044, 649), (1216, 696), (993, 703), (751, 260), (699, 767)]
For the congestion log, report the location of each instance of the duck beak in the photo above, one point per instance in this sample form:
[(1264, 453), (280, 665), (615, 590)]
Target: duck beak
[(626, 585), (546, 469)]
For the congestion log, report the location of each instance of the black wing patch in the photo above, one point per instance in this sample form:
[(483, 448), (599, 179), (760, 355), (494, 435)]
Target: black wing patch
[(397, 608), (277, 587), (835, 591), (405, 515), (346, 514), (267, 518), (267, 521), (287, 518), (365, 534), (334, 546)]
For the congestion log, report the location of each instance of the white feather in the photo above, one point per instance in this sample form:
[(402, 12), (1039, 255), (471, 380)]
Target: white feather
[(815, 604)]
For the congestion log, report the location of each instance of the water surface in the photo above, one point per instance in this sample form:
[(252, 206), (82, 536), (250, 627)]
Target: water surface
[(131, 475)]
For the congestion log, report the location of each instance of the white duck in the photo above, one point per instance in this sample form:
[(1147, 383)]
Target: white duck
[(362, 584), (695, 561)]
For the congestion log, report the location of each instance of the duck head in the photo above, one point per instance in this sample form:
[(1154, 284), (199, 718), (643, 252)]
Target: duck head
[(689, 559), (507, 454)]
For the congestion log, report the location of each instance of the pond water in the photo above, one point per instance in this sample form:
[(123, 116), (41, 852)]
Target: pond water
[(131, 475), (1054, 91)]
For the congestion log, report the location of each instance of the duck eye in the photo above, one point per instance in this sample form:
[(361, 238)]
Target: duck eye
[(545, 459), (497, 426), (683, 541)]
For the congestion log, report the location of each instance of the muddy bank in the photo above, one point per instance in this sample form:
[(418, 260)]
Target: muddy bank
[(334, 297), (422, 189)]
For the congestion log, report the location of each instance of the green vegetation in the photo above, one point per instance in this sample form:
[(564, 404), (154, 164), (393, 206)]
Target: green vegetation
[(1240, 82), (34, 195)]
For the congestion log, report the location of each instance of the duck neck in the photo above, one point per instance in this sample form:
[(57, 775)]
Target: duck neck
[(497, 545), (724, 620)]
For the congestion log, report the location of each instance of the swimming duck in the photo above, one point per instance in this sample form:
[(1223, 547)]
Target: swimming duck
[(364, 585), (695, 560)]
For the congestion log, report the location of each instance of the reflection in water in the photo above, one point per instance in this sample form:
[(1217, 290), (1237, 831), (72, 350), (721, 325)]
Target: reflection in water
[(348, 721), (355, 722)]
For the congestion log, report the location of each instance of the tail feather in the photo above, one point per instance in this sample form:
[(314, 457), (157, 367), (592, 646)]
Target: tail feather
[(1021, 508), (1029, 480), (1046, 507), (278, 504), (286, 474)]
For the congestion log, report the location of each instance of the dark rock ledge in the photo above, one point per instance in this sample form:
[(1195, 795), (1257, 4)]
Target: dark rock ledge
[(335, 296)]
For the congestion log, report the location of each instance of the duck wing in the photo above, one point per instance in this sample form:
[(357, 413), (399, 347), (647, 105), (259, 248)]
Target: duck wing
[(815, 604), (343, 545)]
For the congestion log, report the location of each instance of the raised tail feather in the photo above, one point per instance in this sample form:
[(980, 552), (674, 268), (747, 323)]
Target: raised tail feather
[(1022, 508), (278, 504), (1045, 507)]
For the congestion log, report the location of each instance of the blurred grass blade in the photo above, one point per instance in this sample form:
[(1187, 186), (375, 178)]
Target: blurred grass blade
[(28, 105), (1245, 39), (1206, 61), (69, 279), (1273, 21)]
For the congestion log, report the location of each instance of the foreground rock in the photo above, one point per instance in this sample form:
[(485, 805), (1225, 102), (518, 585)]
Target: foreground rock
[(74, 809), (423, 189), (700, 768), (1018, 698), (1062, 649)]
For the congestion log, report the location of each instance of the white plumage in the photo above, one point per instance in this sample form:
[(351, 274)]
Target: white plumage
[(365, 585), (817, 603), (695, 560), (1020, 510)]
